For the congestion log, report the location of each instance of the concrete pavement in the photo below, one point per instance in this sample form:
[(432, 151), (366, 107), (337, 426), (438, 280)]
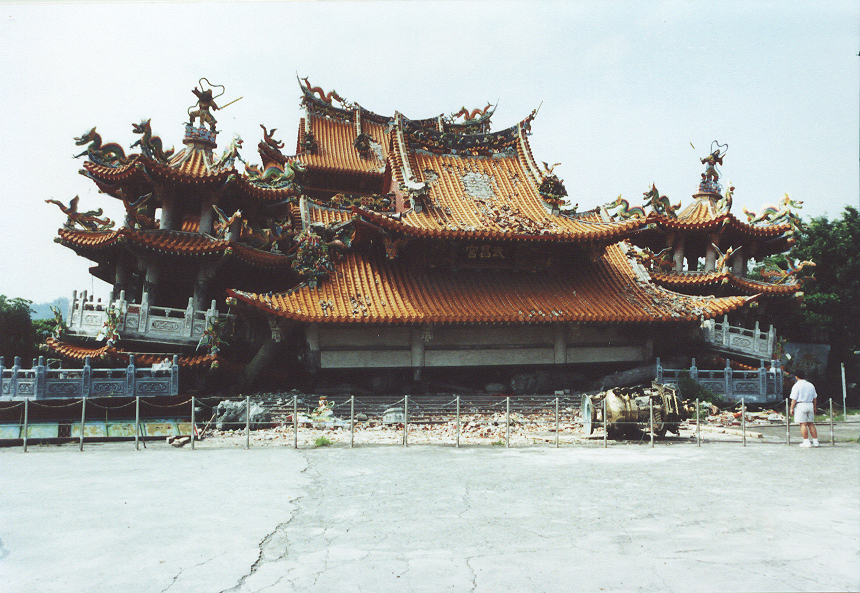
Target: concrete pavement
[(432, 518)]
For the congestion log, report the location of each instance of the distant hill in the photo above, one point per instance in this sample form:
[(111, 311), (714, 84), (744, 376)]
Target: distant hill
[(43, 310)]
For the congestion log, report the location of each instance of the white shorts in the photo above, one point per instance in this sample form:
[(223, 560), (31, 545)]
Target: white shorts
[(803, 412)]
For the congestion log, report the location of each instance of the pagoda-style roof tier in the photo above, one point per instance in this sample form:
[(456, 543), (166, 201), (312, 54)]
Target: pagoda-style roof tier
[(176, 243), (145, 173), (79, 352), (387, 292), (713, 280)]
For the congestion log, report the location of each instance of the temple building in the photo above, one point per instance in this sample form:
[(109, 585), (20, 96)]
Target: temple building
[(398, 245)]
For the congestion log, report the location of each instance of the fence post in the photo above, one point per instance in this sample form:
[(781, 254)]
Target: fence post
[(698, 425), (193, 427), (83, 419), (351, 422), (651, 421), (295, 422), (26, 421), (832, 440), (137, 423), (247, 421), (405, 420), (508, 422), (844, 391), (458, 421), (130, 383), (744, 421), (41, 379), (605, 425), (787, 424), (556, 423)]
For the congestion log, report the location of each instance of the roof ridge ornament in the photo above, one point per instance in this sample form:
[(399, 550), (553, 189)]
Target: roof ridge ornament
[(710, 183)]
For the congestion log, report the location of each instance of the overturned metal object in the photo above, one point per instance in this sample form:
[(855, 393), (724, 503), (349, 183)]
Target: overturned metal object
[(628, 407)]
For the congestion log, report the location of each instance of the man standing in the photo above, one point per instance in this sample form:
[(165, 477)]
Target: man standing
[(804, 405)]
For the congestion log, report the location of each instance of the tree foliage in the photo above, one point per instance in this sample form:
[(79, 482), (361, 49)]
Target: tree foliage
[(17, 337), (831, 307)]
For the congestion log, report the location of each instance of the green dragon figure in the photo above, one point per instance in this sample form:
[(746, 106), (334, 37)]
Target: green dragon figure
[(626, 210), (660, 204), (149, 144), (110, 154)]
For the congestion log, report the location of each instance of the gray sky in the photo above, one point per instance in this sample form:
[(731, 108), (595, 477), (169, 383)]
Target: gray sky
[(625, 88)]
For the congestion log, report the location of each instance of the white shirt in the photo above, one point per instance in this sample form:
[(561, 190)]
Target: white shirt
[(803, 391)]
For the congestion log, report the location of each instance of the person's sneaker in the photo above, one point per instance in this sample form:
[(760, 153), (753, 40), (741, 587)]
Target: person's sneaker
[(816, 443), (805, 444)]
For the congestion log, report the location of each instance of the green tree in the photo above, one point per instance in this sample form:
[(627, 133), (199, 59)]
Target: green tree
[(831, 307), (17, 337)]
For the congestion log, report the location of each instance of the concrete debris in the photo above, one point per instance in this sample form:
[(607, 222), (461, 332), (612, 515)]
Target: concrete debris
[(234, 414)]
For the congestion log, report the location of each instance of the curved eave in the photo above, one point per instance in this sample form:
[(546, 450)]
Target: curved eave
[(386, 292), (114, 175), (596, 232), (173, 243), (141, 359), (196, 177), (728, 220), (714, 279)]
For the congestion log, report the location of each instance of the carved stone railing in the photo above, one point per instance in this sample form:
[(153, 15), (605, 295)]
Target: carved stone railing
[(761, 387), (40, 382), (141, 321), (753, 343)]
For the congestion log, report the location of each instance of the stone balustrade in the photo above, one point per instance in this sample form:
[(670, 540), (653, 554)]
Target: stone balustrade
[(40, 382), (753, 343), (140, 321), (759, 387)]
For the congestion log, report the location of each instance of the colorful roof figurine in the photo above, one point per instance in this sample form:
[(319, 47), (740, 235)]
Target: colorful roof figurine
[(703, 247)]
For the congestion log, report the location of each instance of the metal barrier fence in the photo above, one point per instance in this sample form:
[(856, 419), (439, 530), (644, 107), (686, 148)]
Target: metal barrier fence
[(293, 416)]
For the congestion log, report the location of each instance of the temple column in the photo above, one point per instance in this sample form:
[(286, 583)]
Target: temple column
[(120, 278), (150, 283), (710, 258), (207, 218), (201, 286), (678, 256), (739, 262), (168, 212)]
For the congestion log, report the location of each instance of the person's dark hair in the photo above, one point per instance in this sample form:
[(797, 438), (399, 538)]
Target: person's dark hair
[(800, 374)]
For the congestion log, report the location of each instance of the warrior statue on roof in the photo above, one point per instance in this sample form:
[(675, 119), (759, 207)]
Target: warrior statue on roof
[(205, 102), (712, 160)]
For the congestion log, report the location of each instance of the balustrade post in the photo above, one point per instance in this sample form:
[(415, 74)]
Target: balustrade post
[(725, 331), (659, 373), (694, 372), (771, 340), (13, 384), (143, 325), (762, 379), (727, 377), (41, 379), (71, 314), (86, 378), (130, 383), (188, 321), (174, 376)]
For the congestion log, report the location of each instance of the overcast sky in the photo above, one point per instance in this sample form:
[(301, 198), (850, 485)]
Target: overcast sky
[(626, 91)]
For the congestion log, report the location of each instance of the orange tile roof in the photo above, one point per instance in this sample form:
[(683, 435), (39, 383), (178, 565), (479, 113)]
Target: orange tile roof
[(141, 359), (324, 215), (702, 213), (173, 242), (703, 279), (362, 291), (336, 151)]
